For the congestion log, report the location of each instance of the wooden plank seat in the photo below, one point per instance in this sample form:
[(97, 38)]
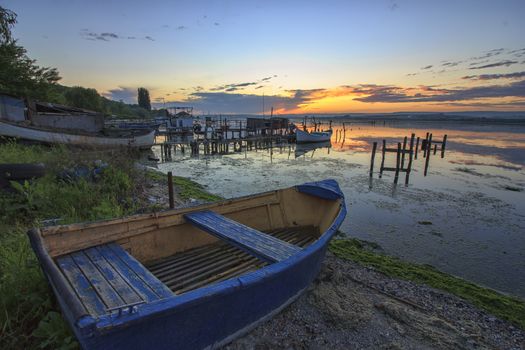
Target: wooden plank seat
[(107, 279), (256, 243)]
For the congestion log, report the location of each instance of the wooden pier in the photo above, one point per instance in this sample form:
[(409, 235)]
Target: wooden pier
[(221, 146)]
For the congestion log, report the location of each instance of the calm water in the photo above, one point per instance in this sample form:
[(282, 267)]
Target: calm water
[(474, 198)]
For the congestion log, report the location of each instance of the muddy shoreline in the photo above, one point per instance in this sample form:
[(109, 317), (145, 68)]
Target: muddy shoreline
[(353, 307)]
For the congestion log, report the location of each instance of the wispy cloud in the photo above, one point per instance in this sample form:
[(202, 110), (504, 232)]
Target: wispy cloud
[(395, 94), (108, 36), (239, 86), (427, 67), (515, 75), (504, 63)]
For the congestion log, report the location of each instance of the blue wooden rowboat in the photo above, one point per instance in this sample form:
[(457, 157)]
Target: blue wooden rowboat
[(192, 278)]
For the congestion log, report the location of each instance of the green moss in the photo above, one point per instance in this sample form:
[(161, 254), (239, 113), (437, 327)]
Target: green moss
[(186, 188), (503, 306), (190, 189)]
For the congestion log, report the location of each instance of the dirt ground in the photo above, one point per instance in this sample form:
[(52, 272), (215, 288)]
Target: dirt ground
[(353, 307)]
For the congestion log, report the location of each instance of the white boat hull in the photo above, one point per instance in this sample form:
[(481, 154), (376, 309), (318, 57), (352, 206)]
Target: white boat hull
[(304, 137), (12, 130)]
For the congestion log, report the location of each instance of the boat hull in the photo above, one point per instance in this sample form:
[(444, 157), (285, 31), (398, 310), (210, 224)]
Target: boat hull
[(306, 137), (144, 141), (208, 317)]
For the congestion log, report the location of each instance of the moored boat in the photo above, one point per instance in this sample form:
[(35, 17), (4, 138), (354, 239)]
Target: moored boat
[(140, 139), (191, 278), (316, 136)]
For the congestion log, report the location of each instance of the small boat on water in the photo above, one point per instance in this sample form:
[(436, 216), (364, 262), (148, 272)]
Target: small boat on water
[(315, 136), (142, 139), (190, 278)]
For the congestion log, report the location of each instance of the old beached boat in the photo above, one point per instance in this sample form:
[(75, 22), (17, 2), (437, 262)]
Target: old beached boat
[(189, 278), (316, 136), (139, 139)]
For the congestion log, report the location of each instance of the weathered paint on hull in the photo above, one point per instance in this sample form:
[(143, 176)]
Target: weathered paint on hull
[(142, 141), (208, 317), (305, 137), (211, 318)]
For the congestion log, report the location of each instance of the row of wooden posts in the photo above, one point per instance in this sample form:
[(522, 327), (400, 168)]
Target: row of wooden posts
[(402, 152), (222, 146)]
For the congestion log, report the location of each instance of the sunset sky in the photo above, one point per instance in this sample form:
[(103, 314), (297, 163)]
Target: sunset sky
[(304, 56)]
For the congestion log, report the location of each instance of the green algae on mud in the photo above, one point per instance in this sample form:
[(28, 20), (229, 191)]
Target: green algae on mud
[(187, 189), (503, 306)]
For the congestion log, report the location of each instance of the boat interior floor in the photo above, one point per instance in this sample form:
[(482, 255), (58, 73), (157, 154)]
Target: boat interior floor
[(198, 267)]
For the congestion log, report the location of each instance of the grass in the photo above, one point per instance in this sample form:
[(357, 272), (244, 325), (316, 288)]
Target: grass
[(503, 306), (187, 188), (29, 317)]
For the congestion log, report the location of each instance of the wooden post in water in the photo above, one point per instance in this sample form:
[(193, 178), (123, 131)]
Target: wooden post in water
[(417, 146), (427, 151), (443, 146), (397, 162), (410, 155), (426, 145), (382, 159), (435, 148), (403, 153), (170, 190), (374, 146)]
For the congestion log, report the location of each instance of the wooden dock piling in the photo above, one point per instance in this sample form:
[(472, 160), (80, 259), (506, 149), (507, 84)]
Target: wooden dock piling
[(382, 159), (417, 146), (398, 156), (403, 153), (443, 146), (374, 147), (427, 151), (170, 190)]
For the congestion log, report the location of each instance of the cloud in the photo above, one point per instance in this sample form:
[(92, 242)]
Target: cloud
[(108, 36), (216, 24), (427, 67), (515, 75), (504, 63), (451, 63), (240, 86), (182, 28), (122, 93), (394, 94), (223, 102)]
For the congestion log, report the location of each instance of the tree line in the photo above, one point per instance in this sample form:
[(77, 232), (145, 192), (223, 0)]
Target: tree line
[(22, 76)]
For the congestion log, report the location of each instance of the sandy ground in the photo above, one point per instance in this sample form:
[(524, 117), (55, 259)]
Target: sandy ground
[(352, 307)]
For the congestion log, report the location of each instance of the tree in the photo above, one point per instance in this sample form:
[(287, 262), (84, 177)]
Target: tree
[(143, 99), (19, 74), (83, 98), (7, 20)]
